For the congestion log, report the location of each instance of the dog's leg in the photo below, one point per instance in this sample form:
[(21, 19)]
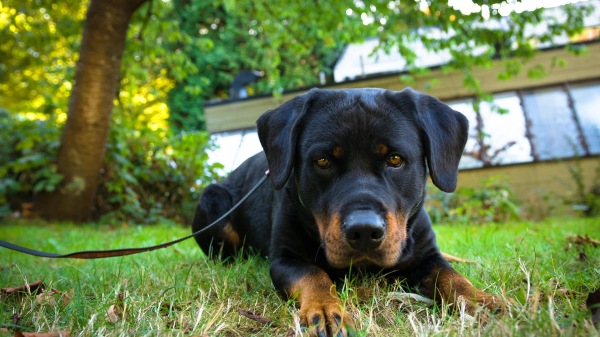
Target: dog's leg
[(320, 307), (442, 282), (223, 239)]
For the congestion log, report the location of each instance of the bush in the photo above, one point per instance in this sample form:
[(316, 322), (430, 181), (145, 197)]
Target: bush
[(148, 175), (585, 199), (494, 202), (27, 156)]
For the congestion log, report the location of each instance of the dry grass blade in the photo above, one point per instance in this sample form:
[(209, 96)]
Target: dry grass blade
[(258, 318), (451, 258)]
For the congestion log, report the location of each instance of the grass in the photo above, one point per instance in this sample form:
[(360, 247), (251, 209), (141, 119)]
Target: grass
[(178, 292)]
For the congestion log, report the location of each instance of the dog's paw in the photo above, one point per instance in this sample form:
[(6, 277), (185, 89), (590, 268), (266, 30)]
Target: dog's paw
[(492, 303), (325, 319)]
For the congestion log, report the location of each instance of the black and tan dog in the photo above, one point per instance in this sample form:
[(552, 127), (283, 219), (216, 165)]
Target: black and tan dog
[(348, 182)]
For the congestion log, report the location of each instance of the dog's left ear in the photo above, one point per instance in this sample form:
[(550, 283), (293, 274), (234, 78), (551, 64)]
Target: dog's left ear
[(444, 133), (278, 132)]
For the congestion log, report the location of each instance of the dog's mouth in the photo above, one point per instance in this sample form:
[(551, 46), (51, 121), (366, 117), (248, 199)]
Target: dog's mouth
[(342, 252)]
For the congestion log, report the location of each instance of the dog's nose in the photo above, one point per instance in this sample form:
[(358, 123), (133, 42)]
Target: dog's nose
[(364, 230)]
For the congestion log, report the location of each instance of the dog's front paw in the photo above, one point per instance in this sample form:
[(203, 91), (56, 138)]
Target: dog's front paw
[(325, 318)]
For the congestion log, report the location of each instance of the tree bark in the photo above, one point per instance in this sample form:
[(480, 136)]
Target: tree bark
[(84, 136)]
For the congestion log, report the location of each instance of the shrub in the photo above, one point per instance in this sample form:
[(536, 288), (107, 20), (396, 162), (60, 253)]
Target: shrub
[(27, 158), (493, 202), (585, 199), (149, 175)]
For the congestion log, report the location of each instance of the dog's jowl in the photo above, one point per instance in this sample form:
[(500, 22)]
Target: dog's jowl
[(348, 182)]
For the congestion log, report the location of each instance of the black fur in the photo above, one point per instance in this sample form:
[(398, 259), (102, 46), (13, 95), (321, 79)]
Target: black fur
[(280, 218)]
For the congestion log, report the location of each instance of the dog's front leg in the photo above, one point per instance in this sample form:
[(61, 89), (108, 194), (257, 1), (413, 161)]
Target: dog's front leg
[(442, 282), (321, 309)]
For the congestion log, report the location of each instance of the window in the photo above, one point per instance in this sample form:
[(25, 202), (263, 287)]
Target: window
[(555, 133), (234, 148), (587, 105), (501, 131)]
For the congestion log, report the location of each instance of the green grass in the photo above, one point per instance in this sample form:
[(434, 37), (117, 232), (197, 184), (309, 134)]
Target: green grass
[(209, 292)]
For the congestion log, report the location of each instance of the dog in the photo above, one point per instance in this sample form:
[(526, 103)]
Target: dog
[(348, 181)]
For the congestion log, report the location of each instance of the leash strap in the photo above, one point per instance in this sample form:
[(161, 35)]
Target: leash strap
[(100, 254)]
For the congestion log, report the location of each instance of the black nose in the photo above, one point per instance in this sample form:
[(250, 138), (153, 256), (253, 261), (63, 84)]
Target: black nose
[(364, 230)]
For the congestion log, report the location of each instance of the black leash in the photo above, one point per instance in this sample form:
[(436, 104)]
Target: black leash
[(99, 254)]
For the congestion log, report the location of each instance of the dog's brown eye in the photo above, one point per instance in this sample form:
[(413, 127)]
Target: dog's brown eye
[(323, 163), (395, 161)]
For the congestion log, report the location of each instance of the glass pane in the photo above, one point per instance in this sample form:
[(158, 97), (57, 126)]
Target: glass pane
[(501, 130), (587, 104), (506, 129), (234, 148), (552, 125), (466, 108)]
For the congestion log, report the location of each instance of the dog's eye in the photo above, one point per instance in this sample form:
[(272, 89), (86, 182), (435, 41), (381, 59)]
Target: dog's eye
[(395, 161), (323, 163)]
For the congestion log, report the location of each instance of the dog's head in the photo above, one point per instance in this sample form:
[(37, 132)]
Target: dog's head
[(359, 159)]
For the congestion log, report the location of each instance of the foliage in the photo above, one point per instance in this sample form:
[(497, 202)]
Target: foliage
[(147, 176), (225, 41), (26, 159), (493, 202), (586, 199), (40, 42)]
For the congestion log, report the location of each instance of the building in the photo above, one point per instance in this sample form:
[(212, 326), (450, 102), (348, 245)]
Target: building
[(547, 121)]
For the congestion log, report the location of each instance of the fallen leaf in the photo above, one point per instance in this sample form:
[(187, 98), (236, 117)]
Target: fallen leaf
[(451, 258), (258, 318), (593, 303), (580, 240), (115, 311), (550, 241), (168, 307), (570, 293), (46, 334), (47, 297), (67, 298), (407, 298), (113, 314), (364, 294), (35, 288), (174, 324), (583, 257)]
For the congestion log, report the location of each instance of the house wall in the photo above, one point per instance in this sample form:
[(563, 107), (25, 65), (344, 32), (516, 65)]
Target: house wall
[(535, 179), (531, 180), (243, 114)]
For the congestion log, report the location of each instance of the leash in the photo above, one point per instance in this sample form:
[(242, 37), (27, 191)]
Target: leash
[(100, 254)]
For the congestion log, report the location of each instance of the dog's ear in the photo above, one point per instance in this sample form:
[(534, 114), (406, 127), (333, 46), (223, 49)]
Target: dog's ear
[(278, 132), (444, 132)]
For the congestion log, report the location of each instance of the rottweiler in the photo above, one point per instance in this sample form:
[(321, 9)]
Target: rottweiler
[(348, 180)]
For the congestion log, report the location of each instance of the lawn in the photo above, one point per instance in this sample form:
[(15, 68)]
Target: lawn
[(178, 292)]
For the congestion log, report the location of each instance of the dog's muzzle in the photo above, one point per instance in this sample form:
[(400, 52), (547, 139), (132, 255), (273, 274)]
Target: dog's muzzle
[(364, 230)]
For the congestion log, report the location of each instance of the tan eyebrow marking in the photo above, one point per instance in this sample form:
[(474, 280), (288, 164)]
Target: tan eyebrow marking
[(338, 152), (381, 149)]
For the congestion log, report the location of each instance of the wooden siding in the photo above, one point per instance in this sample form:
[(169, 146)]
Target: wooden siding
[(531, 181), (243, 114)]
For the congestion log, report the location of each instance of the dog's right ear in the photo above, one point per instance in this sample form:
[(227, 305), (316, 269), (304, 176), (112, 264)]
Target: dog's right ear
[(278, 132)]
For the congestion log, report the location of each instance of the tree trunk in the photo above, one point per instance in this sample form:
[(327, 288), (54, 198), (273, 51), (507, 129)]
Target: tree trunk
[(84, 136)]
